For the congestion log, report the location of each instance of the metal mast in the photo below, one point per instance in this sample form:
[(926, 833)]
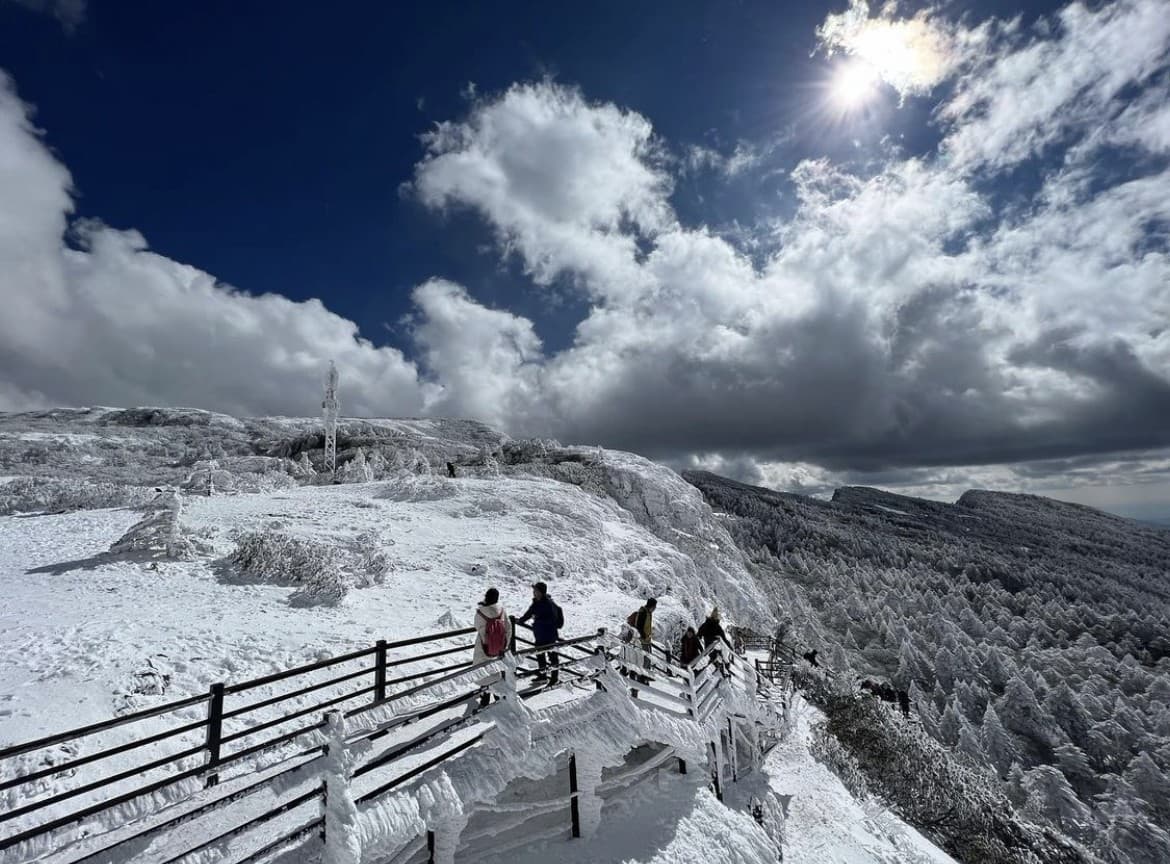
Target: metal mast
[(330, 408)]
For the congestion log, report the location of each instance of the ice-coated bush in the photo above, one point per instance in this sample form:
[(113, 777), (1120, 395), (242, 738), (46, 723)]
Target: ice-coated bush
[(281, 559), (371, 563), (160, 532)]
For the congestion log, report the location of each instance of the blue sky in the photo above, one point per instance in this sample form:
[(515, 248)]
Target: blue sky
[(802, 244)]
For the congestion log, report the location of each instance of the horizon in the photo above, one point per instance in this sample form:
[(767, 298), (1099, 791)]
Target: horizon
[(922, 248), (1156, 513)]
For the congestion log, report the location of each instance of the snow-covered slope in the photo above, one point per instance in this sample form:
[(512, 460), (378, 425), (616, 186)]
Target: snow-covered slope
[(86, 634)]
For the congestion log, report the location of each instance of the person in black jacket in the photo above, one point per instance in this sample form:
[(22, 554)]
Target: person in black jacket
[(547, 620), (711, 630), (691, 647)]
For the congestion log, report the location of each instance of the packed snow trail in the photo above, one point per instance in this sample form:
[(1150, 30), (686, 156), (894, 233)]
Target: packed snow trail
[(826, 824)]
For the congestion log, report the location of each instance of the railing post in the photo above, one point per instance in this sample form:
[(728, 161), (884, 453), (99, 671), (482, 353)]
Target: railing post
[(512, 636), (339, 810), (214, 731), (380, 671), (733, 756), (430, 847), (715, 772), (574, 807)]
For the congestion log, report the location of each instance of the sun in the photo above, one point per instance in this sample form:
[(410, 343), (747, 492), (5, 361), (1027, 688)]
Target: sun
[(854, 83)]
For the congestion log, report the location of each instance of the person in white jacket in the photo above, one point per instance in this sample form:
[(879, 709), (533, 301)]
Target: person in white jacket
[(487, 613), (491, 609)]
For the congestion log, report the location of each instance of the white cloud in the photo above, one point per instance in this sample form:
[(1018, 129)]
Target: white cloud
[(1018, 101), (488, 360), (560, 179), (107, 321)]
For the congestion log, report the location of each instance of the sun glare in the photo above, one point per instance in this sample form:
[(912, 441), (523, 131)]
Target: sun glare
[(854, 83)]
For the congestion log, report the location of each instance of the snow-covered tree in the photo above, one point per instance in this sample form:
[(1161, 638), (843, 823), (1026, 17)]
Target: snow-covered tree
[(1151, 783), (949, 724), (1131, 838), (997, 742), (1068, 712), (1048, 796), (1021, 713), (1074, 764)]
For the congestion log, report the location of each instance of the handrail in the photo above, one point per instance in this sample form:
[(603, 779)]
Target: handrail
[(21, 779), (102, 726), (667, 676)]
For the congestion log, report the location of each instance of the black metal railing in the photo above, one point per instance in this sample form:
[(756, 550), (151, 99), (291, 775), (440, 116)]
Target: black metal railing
[(281, 728)]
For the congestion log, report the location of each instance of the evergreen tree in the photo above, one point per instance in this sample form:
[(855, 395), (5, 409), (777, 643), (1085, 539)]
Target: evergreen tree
[(1021, 713), (995, 669), (997, 742), (949, 724), (1131, 838), (1070, 715), (1048, 796), (1074, 765), (969, 745), (1151, 783), (1014, 785)]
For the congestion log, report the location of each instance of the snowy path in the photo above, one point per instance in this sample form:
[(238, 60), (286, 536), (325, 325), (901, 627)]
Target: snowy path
[(826, 824)]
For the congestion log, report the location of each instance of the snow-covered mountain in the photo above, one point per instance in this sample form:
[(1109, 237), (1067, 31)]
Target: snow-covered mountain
[(1033, 636), (122, 592)]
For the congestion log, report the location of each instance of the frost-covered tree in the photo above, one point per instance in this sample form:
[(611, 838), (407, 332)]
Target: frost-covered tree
[(1131, 838), (1021, 713), (1049, 797), (969, 745), (949, 724), (911, 666), (1074, 764), (1066, 709), (1014, 785), (995, 669), (997, 742), (1151, 783)]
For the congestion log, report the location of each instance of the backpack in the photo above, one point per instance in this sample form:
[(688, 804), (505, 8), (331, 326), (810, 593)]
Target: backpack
[(560, 616), (633, 619), (495, 635)]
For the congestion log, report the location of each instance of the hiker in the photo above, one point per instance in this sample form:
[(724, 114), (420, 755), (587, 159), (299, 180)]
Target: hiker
[(642, 626), (450, 469), (643, 623), (493, 632), (811, 657), (547, 619), (904, 703), (691, 647), (711, 631)]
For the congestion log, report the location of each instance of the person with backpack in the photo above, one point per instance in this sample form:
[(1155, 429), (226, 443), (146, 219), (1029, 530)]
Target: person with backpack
[(691, 647), (642, 620), (493, 632), (547, 620)]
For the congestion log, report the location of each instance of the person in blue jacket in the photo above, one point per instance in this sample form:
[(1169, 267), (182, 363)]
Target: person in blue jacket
[(547, 619)]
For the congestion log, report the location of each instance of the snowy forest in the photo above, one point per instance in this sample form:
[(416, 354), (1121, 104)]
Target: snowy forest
[(1032, 635)]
